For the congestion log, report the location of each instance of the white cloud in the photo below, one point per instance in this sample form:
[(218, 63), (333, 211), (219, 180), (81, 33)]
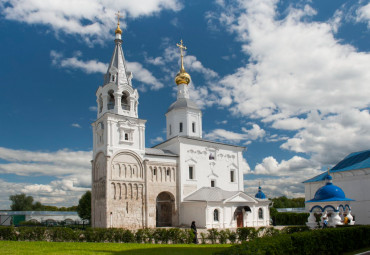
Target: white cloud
[(93, 66), (363, 14), (297, 68), (71, 170), (156, 140), (248, 134), (93, 108), (92, 19), (76, 125)]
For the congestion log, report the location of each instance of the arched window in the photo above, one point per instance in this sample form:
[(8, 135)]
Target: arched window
[(260, 214), (125, 102), (215, 215), (111, 101)]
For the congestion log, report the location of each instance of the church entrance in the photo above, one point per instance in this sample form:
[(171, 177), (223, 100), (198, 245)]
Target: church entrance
[(239, 215), (164, 207)]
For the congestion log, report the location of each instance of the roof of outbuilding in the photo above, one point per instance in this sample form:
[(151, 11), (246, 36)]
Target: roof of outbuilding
[(210, 194), (183, 103), (355, 160)]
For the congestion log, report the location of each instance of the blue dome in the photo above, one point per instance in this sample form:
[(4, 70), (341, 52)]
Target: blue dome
[(329, 191), (260, 194)]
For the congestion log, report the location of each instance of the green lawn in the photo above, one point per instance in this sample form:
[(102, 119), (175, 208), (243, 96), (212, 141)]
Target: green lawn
[(12, 247)]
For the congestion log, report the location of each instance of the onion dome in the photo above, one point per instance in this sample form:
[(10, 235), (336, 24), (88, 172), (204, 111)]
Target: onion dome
[(118, 30), (260, 194), (182, 77), (329, 192)]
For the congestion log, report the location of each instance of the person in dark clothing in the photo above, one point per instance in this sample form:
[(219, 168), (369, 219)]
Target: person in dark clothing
[(194, 229)]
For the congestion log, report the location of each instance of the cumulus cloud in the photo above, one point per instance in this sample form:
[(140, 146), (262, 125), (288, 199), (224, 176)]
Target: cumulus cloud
[(91, 19), (299, 78), (140, 73), (71, 171), (363, 14), (156, 140), (76, 125), (248, 134)]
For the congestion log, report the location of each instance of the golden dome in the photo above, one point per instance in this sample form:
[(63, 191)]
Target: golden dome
[(118, 30), (182, 78)]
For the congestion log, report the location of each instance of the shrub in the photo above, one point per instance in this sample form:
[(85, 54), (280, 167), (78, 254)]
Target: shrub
[(203, 237), (224, 234), (271, 232), (8, 233), (213, 235), (60, 234), (175, 235), (31, 233), (289, 218), (294, 229), (232, 236), (245, 234)]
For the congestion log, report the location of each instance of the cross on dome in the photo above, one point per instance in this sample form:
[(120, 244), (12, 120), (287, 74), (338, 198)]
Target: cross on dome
[(118, 29), (182, 77)]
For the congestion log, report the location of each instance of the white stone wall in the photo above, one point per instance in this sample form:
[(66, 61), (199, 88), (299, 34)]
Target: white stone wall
[(356, 185), (186, 117)]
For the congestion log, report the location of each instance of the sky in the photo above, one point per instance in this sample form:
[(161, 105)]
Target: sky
[(289, 80)]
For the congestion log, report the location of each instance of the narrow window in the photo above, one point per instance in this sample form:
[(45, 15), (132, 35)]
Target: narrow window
[(112, 77), (232, 176), (155, 171), (212, 183), (111, 101), (215, 215), (168, 172), (260, 214), (180, 127), (191, 172), (126, 137), (170, 130), (193, 126)]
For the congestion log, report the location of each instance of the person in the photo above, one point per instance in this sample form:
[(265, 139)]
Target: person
[(194, 229), (345, 220), (325, 222)]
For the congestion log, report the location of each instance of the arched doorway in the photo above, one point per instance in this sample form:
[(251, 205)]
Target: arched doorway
[(239, 215), (164, 207)]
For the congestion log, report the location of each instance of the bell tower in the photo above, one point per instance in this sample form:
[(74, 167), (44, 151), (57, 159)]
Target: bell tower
[(183, 117)]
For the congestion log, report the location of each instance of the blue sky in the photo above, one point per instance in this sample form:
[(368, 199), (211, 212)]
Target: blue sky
[(287, 79)]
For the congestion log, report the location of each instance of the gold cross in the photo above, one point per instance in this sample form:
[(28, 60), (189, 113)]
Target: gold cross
[(118, 16), (182, 47)]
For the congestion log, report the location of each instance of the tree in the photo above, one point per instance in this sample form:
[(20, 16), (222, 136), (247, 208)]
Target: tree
[(84, 206), (21, 202)]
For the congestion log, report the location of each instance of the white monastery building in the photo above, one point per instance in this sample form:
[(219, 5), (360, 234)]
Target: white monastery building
[(180, 180), (351, 177)]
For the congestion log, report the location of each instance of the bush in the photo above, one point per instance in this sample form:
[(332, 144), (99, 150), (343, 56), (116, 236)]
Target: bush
[(223, 234), (31, 233), (203, 237), (60, 234), (289, 218), (232, 236), (321, 241), (213, 235), (294, 229), (8, 233), (245, 234)]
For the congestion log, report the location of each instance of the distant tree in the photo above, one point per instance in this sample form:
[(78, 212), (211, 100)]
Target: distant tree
[(84, 206), (37, 206), (21, 202), (284, 202)]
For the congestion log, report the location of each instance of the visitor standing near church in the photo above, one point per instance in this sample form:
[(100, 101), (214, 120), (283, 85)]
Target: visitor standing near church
[(194, 229)]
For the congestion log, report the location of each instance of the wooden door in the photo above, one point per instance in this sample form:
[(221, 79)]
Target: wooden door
[(239, 219)]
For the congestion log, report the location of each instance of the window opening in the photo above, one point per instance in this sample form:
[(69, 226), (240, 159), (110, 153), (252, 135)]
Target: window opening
[(126, 137), (168, 172), (111, 101), (193, 127), (191, 172), (215, 215), (180, 127), (154, 171), (170, 130), (260, 213), (125, 102), (212, 183), (232, 176), (211, 156)]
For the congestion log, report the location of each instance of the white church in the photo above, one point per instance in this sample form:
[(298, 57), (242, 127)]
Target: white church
[(180, 180)]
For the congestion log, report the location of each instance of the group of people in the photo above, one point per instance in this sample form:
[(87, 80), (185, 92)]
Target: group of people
[(345, 221)]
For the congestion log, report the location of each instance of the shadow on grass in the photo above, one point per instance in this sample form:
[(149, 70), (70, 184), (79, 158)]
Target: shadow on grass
[(199, 250)]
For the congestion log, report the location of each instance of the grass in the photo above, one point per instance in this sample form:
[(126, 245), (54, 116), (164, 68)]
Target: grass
[(13, 247)]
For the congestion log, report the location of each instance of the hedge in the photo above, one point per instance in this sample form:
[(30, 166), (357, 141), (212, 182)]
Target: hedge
[(321, 241), (289, 218), (112, 235)]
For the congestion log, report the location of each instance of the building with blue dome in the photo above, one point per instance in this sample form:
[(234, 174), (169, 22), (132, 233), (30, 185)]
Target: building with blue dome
[(260, 194), (351, 177), (331, 202)]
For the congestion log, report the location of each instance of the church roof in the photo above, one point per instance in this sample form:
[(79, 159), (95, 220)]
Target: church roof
[(183, 103), (355, 160), (210, 194), (159, 152)]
